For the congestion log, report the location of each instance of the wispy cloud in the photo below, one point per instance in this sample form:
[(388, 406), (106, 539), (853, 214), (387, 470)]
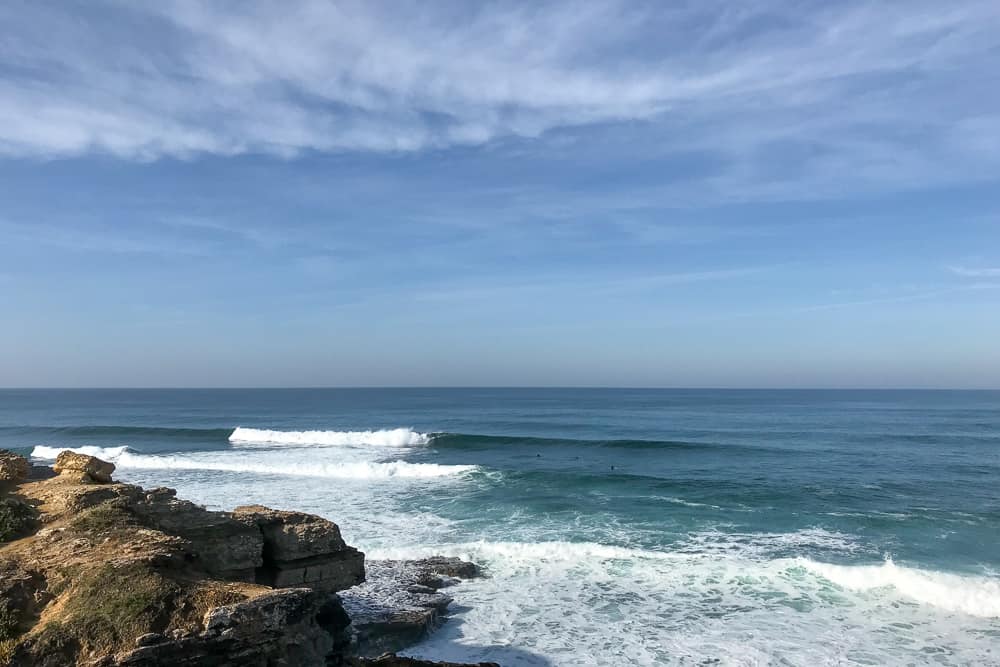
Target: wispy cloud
[(585, 285), (975, 272), (901, 298), (836, 94)]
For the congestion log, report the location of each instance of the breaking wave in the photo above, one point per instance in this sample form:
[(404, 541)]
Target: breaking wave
[(397, 437), (976, 596)]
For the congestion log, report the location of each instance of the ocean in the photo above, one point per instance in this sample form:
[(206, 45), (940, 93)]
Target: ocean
[(617, 527)]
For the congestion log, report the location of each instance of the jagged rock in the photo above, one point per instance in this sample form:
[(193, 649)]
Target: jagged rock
[(302, 550), (399, 602), (13, 468), (86, 468)]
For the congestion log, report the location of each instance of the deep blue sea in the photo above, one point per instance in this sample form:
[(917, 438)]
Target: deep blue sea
[(618, 527)]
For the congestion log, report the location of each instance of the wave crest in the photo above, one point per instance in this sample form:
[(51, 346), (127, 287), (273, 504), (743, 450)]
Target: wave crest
[(976, 596), (397, 437)]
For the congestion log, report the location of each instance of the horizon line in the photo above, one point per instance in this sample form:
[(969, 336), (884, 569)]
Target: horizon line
[(563, 387)]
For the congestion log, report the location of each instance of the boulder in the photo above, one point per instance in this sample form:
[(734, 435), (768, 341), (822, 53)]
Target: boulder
[(85, 468), (13, 468)]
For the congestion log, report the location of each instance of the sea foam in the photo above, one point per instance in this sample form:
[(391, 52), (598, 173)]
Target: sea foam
[(105, 453), (397, 437), (125, 459)]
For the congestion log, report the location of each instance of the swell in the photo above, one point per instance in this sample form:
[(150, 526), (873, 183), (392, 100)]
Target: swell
[(481, 441), (122, 432), (395, 437)]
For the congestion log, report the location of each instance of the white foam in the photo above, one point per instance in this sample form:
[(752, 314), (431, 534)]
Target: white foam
[(50, 453), (264, 464), (529, 552), (397, 437), (586, 603), (976, 596)]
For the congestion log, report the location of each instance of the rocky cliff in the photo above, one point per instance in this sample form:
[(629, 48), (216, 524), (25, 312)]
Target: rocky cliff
[(94, 572)]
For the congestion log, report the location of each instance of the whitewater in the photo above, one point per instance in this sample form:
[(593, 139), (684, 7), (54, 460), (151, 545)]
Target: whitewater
[(624, 529)]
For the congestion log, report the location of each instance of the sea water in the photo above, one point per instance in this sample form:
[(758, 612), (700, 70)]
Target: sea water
[(616, 527)]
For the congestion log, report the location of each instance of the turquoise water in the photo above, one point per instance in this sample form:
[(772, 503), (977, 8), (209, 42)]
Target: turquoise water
[(619, 527)]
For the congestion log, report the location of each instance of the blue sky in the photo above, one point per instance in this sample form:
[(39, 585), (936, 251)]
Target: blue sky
[(615, 194)]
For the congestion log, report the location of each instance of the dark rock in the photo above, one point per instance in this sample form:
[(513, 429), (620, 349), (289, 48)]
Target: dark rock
[(38, 472), (399, 603), (278, 628)]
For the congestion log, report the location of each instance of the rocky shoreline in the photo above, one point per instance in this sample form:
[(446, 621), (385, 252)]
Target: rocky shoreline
[(104, 574)]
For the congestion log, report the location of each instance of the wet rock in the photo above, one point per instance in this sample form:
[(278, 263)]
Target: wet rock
[(83, 468), (400, 602), (393, 660)]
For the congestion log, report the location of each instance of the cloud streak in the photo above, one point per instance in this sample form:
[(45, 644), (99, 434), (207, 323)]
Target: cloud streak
[(979, 272), (850, 92)]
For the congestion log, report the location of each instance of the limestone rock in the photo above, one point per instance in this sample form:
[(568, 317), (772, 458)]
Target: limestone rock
[(224, 546), (13, 468), (278, 628), (86, 468), (302, 550), (292, 535)]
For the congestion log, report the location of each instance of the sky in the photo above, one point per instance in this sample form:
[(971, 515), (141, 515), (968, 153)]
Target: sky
[(680, 194)]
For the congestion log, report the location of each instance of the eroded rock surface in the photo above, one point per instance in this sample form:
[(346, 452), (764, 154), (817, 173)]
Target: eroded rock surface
[(302, 550)]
